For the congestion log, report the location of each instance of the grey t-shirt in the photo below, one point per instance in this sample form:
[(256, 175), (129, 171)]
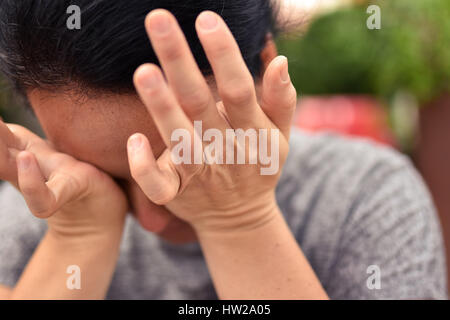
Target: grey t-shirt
[(355, 209)]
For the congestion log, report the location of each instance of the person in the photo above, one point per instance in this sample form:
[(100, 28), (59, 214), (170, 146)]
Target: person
[(344, 220)]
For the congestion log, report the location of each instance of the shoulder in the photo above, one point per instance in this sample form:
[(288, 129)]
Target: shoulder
[(351, 204), (338, 171), (327, 151), (336, 166)]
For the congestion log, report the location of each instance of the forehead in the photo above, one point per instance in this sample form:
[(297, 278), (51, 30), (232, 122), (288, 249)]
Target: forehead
[(93, 130), (73, 111)]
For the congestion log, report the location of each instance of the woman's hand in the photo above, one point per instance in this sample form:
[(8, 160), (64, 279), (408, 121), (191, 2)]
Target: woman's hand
[(211, 197), (249, 249), (76, 198), (85, 210)]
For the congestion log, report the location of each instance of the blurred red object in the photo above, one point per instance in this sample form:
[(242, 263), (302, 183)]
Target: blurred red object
[(357, 116)]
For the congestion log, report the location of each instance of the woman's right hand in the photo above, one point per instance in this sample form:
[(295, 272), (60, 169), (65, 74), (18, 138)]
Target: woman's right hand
[(76, 198)]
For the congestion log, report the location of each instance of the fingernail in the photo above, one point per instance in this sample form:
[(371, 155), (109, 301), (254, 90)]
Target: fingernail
[(207, 20), (159, 23), (135, 142), (150, 80), (284, 73)]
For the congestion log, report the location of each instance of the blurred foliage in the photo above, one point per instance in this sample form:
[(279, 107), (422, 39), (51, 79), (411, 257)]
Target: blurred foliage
[(410, 53)]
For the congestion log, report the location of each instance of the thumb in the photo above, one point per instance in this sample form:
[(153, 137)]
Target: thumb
[(158, 179), (279, 97), (43, 198)]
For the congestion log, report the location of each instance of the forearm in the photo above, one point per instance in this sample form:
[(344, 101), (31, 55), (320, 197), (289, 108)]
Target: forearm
[(45, 276), (262, 263)]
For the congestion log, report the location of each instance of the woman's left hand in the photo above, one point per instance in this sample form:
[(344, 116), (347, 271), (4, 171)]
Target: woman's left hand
[(211, 196)]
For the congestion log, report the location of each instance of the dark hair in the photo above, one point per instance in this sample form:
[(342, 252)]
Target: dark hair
[(37, 50)]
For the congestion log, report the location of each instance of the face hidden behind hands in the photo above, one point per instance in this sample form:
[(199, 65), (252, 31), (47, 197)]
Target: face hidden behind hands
[(95, 127)]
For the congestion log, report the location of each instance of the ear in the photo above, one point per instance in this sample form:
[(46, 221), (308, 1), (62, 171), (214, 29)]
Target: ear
[(269, 52)]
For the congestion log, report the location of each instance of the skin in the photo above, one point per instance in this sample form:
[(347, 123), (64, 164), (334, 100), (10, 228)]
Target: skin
[(230, 209)]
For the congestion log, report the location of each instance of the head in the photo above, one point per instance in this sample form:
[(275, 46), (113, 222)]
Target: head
[(79, 83)]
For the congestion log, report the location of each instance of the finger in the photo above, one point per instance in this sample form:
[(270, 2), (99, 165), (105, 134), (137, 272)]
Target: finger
[(13, 140), (8, 168), (159, 186), (9, 148), (169, 118), (160, 102), (7, 136), (8, 151), (234, 81), (25, 139), (180, 68), (44, 198), (47, 157), (41, 201), (279, 97)]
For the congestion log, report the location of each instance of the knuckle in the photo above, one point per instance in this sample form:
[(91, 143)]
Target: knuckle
[(237, 93), (291, 102), (292, 96), (285, 104), (172, 52), (86, 179), (195, 102), (160, 103)]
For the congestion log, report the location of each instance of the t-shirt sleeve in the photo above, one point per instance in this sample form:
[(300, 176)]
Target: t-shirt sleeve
[(391, 244), (20, 233)]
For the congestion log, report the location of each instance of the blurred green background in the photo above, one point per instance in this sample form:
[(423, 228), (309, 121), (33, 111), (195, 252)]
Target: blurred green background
[(339, 54), (404, 65)]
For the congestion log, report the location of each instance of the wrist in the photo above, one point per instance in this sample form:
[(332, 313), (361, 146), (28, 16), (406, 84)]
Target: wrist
[(46, 275), (261, 263), (81, 225), (86, 237), (233, 224)]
